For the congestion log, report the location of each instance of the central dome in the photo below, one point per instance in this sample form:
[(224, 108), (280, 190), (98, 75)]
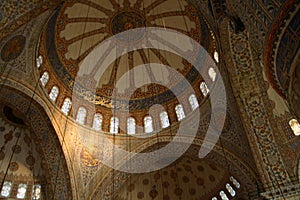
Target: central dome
[(71, 40), (127, 20)]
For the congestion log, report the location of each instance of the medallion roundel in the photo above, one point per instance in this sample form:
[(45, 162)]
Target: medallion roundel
[(13, 48)]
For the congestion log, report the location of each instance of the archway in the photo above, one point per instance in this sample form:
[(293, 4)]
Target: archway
[(44, 140)]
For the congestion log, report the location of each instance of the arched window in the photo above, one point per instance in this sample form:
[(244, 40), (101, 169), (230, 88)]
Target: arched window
[(21, 191), (130, 125), (148, 124), (230, 190), (216, 56), (214, 198), (66, 106), (295, 126), (223, 195), (81, 114), (235, 182), (39, 61), (36, 192), (5, 191), (164, 119), (114, 125), (44, 78), (204, 89), (97, 122), (179, 112), (54, 93), (193, 102), (212, 73)]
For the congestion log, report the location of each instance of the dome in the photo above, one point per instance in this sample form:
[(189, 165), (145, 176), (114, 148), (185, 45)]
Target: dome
[(70, 50)]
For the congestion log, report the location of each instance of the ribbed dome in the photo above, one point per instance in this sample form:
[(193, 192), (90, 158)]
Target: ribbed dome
[(76, 29)]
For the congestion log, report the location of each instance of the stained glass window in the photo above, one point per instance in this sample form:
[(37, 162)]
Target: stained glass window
[(54, 93), (212, 73), (148, 124), (36, 193), (97, 123), (230, 190), (39, 61), (44, 78), (131, 125), (295, 126), (21, 191), (6, 189), (179, 112), (216, 56), (164, 119), (66, 106), (204, 89), (81, 114), (223, 195), (235, 182), (193, 102), (114, 125)]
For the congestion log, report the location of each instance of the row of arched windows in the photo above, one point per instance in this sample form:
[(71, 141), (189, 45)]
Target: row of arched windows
[(21, 192), (131, 124), (230, 190), (114, 124)]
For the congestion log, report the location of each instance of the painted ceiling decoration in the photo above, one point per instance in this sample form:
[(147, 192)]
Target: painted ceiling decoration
[(42, 154), (76, 28), (282, 48), (39, 66), (187, 177)]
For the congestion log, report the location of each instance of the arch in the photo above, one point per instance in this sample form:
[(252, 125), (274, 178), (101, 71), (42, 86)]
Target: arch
[(204, 89), (212, 73), (81, 115), (164, 119), (39, 61), (6, 188), (148, 124), (131, 126), (223, 195), (22, 188), (193, 101), (179, 112), (114, 125), (54, 93), (36, 192), (44, 135), (230, 190), (97, 122), (66, 107), (44, 78), (295, 126), (216, 56)]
